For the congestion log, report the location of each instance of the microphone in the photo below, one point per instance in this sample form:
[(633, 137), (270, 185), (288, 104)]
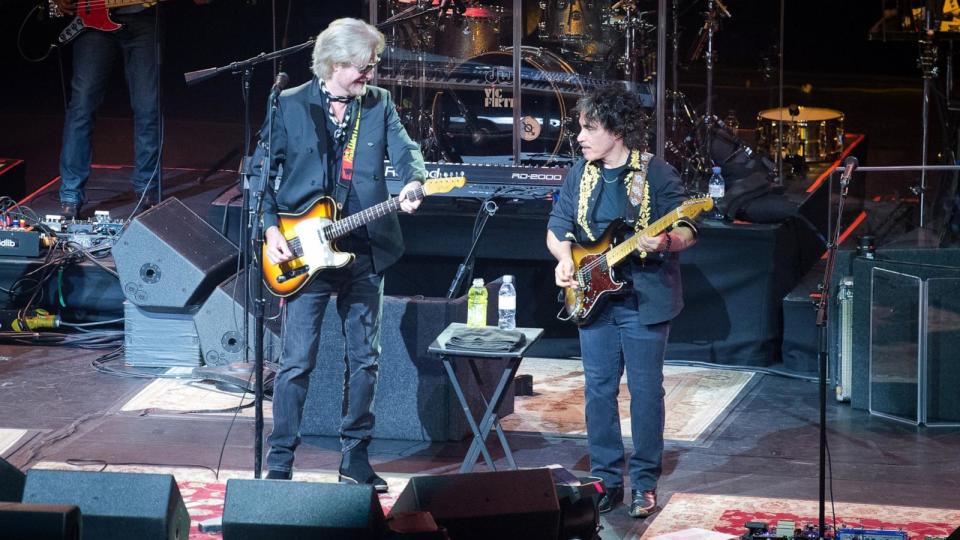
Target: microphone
[(279, 83), (849, 165)]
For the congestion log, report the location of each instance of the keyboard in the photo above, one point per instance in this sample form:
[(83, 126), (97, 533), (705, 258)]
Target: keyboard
[(491, 180)]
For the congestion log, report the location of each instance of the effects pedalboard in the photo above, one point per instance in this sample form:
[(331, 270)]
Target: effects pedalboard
[(787, 530), (86, 233)]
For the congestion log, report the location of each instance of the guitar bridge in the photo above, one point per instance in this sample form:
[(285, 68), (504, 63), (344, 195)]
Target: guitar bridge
[(293, 273)]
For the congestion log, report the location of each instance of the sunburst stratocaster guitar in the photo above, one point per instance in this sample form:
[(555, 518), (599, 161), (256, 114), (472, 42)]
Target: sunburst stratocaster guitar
[(92, 14), (593, 263), (312, 234)]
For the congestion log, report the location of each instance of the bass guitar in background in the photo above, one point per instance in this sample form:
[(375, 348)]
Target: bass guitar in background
[(90, 14)]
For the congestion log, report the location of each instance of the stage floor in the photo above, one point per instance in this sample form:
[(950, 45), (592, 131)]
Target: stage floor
[(57, 409)]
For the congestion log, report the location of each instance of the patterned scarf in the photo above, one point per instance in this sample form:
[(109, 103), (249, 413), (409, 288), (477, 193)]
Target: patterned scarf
[(341, 125)]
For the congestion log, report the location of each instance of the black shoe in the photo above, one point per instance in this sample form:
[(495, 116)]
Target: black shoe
[(70, 210), (279, 475), (642, 503), (611, 498), (147, 201), (355, 469)]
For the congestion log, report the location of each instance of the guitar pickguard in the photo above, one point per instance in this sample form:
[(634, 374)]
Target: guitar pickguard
[(318, 252)]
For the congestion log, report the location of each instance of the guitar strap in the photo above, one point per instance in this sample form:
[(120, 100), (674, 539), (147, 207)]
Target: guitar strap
[(346, 164), (638, 192)]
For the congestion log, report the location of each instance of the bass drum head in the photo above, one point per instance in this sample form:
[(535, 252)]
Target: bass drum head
[(478, 122)]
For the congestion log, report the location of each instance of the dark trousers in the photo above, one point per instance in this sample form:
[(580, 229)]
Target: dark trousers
[(360, 305), (613, 343), (94, 54)]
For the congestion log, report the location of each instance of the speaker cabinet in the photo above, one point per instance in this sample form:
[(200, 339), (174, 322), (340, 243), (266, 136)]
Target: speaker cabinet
[(11, 482), (115, 505), (504, 504), (219, 324), (281, 509), (169, 258), (40, 521)]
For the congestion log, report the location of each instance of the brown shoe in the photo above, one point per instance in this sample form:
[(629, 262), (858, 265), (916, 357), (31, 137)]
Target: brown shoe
[(643, 503)]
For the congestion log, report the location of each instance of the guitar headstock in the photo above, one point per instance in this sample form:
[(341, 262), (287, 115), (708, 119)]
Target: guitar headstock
[(691, 208), (444, 184)]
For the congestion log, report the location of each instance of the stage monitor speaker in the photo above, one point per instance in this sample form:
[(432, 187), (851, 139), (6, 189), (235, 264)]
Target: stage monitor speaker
[(40, 521), (281, 509), (219, 324), (11, 482), (504, 504), (169, 258), (115, 505)]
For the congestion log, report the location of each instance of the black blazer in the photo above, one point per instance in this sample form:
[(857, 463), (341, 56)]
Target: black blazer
[(299, 145)]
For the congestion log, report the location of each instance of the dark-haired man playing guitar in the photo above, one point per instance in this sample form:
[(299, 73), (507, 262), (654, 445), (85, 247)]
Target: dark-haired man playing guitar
[(617, 180)]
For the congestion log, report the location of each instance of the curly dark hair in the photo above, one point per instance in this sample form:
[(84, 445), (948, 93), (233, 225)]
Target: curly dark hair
[(617, 110)]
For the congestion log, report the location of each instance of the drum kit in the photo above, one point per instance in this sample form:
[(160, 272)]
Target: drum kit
[(449, 63), (437, 49)]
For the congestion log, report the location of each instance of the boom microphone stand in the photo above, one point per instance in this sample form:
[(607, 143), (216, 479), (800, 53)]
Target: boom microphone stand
[(245, 68)]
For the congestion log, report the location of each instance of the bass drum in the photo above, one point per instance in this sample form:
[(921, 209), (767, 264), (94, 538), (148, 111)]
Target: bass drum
[(479, 30), (813, 134), (479, 122)]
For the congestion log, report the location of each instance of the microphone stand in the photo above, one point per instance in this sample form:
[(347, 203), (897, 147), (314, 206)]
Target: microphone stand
[(489, 208), (245, 69)]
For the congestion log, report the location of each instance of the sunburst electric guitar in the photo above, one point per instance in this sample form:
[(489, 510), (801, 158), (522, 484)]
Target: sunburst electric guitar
[(312, 236), (593, 263)]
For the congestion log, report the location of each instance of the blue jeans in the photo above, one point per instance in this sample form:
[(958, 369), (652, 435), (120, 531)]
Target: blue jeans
[(614, 341), (360, 306), (94, 53)]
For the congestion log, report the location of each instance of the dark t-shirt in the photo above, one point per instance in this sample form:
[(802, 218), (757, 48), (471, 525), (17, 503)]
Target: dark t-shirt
[(358, 239), (612, 201)]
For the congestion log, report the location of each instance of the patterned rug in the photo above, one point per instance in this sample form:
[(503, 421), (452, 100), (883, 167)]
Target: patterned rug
[(696, 398), (728, 514)]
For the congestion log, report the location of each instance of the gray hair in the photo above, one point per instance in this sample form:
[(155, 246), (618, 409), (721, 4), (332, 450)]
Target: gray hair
[(345, 41)]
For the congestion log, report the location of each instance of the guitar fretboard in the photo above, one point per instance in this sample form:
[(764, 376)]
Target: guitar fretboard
[(351, 222)]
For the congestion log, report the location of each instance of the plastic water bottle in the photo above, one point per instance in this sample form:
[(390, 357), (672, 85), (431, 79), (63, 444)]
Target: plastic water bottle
[(716, 188), (477, 304), (507, 305)]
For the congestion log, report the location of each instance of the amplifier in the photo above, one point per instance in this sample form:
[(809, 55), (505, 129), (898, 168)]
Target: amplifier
[(870, 534), (19, 243)]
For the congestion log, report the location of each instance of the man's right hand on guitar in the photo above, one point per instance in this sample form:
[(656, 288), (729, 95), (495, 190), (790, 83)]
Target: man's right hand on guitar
[(277, 249), (563, 274), (66, 6)]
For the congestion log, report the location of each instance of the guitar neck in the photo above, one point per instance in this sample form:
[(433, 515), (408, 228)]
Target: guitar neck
[(354, 221), (625, 248), (110, 4)]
